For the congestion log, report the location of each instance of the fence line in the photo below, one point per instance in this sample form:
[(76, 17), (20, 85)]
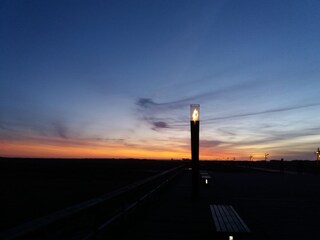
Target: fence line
[(90, 219)]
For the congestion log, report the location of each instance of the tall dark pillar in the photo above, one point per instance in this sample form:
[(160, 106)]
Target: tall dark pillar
[(195, 125), (195, 157)]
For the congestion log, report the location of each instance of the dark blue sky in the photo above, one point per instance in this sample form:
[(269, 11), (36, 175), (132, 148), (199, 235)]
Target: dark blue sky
[(115, 78)]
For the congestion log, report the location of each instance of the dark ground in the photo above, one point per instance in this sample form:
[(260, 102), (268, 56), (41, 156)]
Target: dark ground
[(274, 205), (31, 188)]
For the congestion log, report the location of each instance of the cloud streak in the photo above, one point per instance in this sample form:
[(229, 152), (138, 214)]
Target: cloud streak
[(148, 107), (275, 110), (210, 143), (150, 104), (60, 129), (159, 125)]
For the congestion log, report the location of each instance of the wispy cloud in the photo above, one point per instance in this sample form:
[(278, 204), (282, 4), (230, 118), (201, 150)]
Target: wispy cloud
[(150, 104), (60, 129), (159, 125), (275, 110), (149, 107), (277, 139), (210, 143)]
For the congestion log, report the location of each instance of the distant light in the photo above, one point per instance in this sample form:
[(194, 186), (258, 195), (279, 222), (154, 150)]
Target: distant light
[(230, 237), (206, 181)]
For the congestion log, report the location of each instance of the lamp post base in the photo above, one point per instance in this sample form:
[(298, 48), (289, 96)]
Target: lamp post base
[(195, 158)]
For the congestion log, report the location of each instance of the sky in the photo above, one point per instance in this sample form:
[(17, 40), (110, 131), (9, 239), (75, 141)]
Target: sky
[(115, 79)]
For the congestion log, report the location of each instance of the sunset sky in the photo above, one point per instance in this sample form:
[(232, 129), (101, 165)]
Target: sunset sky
[(116, 78)]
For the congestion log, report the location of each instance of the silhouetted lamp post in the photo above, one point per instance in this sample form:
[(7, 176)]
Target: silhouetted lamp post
[(195, 125), (318, 156)]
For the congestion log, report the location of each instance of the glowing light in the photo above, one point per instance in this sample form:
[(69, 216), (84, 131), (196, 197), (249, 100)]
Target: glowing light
[(230, 237), (195, 115), (195, 112), (206, 181)]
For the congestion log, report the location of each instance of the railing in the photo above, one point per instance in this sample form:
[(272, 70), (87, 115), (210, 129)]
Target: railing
[(94, 218)]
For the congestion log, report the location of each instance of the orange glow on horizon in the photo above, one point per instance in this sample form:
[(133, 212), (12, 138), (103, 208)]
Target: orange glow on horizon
[(42, 150), (81, 149)]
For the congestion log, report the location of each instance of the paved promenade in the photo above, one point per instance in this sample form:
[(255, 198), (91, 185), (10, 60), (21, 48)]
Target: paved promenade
[(176, 215), (274, 206)]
